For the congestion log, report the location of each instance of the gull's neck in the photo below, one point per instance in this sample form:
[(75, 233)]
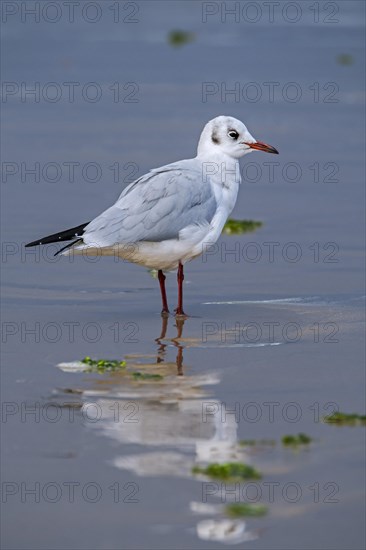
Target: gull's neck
[(222, 169)]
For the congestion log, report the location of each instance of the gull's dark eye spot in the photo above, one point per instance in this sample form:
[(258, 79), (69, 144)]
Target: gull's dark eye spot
[(233, 134), (214, 137)]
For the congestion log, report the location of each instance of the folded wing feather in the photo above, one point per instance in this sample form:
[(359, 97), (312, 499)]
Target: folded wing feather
[(155, 207)]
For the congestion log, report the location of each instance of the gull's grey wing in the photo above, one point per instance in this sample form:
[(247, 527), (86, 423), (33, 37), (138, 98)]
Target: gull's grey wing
[(155, 207)]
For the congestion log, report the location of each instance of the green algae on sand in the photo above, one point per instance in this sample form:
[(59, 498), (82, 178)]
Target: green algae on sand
[(103, 365), (245, 509), (146, 376), (179, 38), (238, 227), (296, 440), (229, 471), (344, 419)]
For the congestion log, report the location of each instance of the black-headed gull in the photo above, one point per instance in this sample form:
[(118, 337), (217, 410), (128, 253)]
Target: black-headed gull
[(171, 214)]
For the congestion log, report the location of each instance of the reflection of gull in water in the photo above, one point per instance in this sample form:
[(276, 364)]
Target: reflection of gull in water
[(173, 413), (179, 424)]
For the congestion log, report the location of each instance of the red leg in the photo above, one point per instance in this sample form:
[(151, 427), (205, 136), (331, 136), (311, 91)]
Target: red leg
[(162, 347), (179, 359), (164, 300), (180, 278)]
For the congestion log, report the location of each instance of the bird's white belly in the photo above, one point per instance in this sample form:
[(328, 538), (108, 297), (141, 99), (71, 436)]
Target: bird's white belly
[(165, 255)]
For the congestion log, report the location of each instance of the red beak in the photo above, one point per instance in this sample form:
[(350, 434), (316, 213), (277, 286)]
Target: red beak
[(260, 146)]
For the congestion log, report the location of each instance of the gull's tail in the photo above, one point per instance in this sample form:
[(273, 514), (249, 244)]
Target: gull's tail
[(62, 236)]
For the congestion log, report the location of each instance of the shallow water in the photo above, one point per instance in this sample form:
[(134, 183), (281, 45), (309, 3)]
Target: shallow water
[(275, 337)]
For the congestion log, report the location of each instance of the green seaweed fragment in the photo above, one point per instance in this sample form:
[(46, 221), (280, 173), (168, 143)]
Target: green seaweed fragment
[(178, 38), (256, 442), (345, 59), (146, 376), (238, 227), (295, 440), (230, 471), (345, 419), (103, 365), (245, 509)]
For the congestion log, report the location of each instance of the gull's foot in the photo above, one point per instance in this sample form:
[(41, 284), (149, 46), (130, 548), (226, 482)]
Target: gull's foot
[(165, 312), (180, 313)]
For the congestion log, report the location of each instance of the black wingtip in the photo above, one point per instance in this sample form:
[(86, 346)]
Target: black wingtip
[(59, 237), (34, 243)]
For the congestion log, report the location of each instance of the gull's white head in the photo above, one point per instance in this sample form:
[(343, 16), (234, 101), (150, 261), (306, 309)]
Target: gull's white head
[(228, 135)]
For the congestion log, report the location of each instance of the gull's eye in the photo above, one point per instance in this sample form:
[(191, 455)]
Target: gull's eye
[(233, 134)]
